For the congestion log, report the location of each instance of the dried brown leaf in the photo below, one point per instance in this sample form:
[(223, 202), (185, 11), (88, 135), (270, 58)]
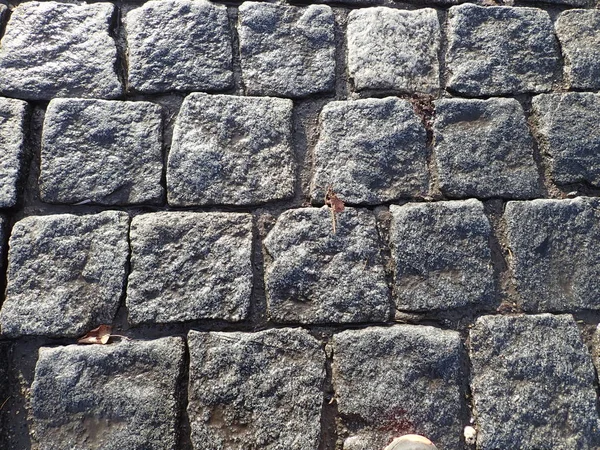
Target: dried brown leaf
[(100, 335)]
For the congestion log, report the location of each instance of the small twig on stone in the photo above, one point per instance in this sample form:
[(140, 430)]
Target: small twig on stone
[(335, 205), (4, 402)]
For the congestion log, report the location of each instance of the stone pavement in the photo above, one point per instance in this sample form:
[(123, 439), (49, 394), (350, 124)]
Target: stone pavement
[(167, 168)]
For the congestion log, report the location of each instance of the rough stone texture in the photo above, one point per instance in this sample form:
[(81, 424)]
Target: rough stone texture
[(569, 126), (55, 49), (398, 380), (500, 50), (285, 50), (532, 384), (118, 396), (483, 149), (256, 390), (3, 239), (5, 367), (104, 151), (231, 150), (391, 49), (371, 151), (441, 254), (179, 45), (13, 114), (65, 273), (555, 246), (190, 266), (313, 275)]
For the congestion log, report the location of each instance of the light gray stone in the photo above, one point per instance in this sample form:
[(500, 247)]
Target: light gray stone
[(483, 148), (500, 50), (442, 258), (285, 50), (13, 115), (190, 266), (532, 384), (392, 49), (370, 151), (314, 275), (103, 151), (65, 273), (256, 390), (3, 239), (555, 247), (398, 380), (108, 397), (231, 150), (53, 49), (179, 45)]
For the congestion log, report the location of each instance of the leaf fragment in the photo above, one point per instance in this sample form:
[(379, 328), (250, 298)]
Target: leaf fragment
[(99, 335)]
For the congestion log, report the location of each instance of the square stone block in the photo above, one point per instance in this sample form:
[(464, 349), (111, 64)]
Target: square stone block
[(65, 273), (13, 117), (103, 151)]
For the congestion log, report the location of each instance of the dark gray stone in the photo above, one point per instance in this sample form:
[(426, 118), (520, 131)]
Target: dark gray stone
[(500, 50), (532, 384), (286, 50), (13, 115), (392, 49), (231, 150), (106, 152), (256, 390), (5, 367), (65, 273), (483, 148), (53, 49), (190, 266), (442, 258), (371, 151), (555, 247), (398, 380), (108, 397), (179, 45)]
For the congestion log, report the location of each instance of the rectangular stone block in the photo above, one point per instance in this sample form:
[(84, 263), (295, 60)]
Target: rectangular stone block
[(13, 117), (190, 266), (532, 384), (106, 152), (256, 390)]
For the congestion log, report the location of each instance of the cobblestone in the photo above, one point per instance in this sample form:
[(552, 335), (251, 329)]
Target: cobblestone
[(13, 116)]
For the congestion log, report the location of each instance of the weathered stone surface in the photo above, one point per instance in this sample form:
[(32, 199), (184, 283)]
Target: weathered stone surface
[(5, 350), (314, 275), (441, 253), (398, 380), (190, 266), (231, 150), (108, 397), (392, 49), (3, 239), (65, 273), (108, 152), (569, 126), (179, 45), (532, 384), (256, 390), (555, 246), (286, 50), (483, 148), (53, 49), (371, 151), (500, 50), (13, 114)]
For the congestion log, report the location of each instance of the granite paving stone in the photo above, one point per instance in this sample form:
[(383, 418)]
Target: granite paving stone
[(287, 51), (13, 117), (255, 390), (532, 384), (442, 258), (392, 49), (483, 148), (231, 150), (108, 397), (500, 50), (5, 367), (65, 273), (371, 151), (397, 380), (179, 45), (52, 49), (314, 275), (190, 266), (3, 240), (104, 151), (555, 248)]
